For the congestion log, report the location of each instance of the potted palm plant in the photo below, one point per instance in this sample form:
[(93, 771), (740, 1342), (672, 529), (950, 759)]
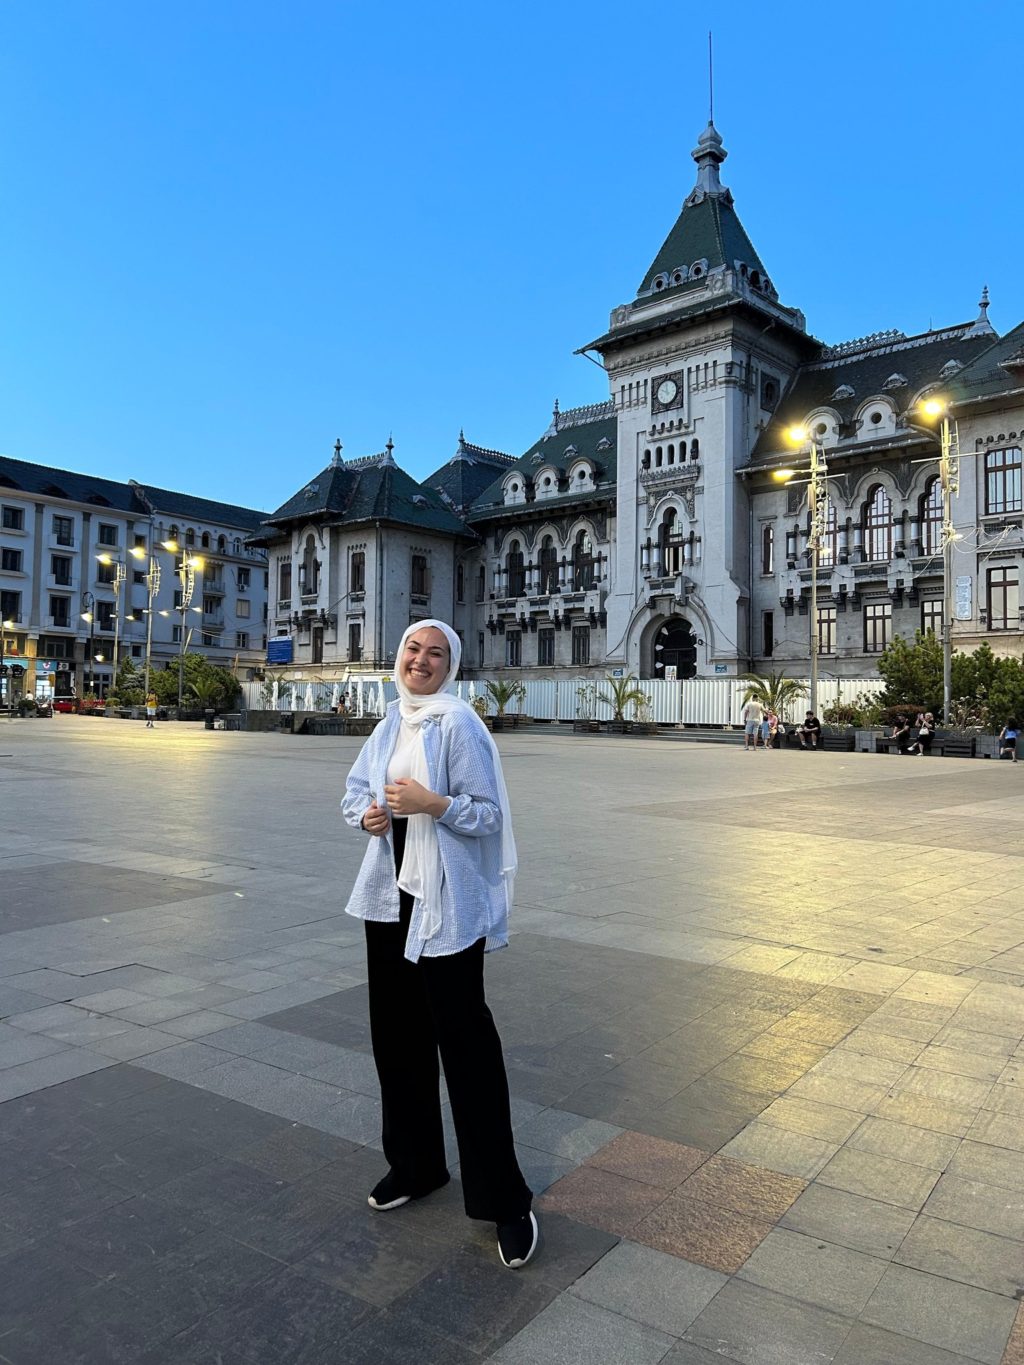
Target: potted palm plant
[(622, 692), (774, 691), (586, 709), (503, 694)]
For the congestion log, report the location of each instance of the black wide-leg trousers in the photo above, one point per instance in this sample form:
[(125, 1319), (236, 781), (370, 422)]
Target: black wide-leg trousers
[(418, 1010)]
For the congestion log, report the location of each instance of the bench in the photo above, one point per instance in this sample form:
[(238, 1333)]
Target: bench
[(838, 743), (954, 748), (885, 744)]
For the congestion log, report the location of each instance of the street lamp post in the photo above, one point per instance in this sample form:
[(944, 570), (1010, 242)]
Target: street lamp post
[(818, 499), (187, 576), (949, 484), (89, 614), (119, 578), (4, 627)]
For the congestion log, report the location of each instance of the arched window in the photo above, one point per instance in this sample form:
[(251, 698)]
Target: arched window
[(767, 548), (828, 550), (931, 518), (514, 568), (672, 454), (481, 583), (204, 540), (657, 457), (582, 562), (671, 545), (694, 449), (222, 543), (878, 527), (309, 569), (190, 536), (547, 562)]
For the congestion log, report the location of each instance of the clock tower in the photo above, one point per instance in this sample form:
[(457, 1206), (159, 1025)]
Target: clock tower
[(696, 365)]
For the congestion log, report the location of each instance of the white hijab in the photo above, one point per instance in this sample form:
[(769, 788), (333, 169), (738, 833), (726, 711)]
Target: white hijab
[(422, 874)]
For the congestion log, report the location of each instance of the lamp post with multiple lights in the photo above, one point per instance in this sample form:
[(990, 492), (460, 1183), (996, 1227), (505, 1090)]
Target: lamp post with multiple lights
[(89, 616), (949, 482), (5, 626), (817, 496)]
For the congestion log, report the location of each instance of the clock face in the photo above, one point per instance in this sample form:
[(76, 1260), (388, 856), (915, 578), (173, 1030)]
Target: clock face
[(667, 390)]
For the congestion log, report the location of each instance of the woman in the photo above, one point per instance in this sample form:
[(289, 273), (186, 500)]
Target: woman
[(769, 728), (1008, 740), (925, 734), (434, 890)]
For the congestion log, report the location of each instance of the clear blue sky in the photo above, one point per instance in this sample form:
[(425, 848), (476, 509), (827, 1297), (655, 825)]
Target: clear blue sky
[(233, 231)]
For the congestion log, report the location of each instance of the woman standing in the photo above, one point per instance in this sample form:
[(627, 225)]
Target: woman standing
[(434, 890)]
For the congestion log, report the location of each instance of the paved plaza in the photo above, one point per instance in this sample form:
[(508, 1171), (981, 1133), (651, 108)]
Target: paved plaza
[(763, 1016)]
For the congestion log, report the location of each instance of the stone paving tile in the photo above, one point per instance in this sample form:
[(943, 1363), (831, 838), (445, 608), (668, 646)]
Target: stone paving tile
[(965, 1254), (814, 1271), (990, 1165), (1014, 1353), (879, 1177), (921, 1113), (874, 1043), (747, 1190), (566, 1135), (919, 1146), (872, 1346), (824, 1121), (185, 1061), (990, 1208), (777, 1149), (998, 1130), (696, 1230), (572, 1332), (849, 1220), (942, 1313), (48, 1071), (602, 1199), (650, 1287), (26, 1047), (755, 1326), (648, 1159)]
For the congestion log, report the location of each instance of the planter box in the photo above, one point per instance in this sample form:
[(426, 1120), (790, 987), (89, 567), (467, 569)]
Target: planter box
[(986, 746), (865, 740)]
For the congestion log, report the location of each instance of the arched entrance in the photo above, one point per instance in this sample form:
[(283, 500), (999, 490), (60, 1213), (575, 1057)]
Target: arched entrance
[(675, 646)]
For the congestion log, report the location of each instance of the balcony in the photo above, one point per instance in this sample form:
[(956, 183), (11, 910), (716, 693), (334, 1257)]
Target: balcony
[(214, 586), (213, 620)]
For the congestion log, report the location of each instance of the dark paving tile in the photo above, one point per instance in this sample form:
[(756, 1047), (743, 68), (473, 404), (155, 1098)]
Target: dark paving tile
[(121, 1239), (62, 892), (295, 1152), (369, 1256), (872, 1346), (354, 1175), (105, 1325), (290, 1224), (755, 1326), (476, 1302), (40, 1274), (290, 1319), (386, 1340), (145, 1163), (221, 1188), (567, 1249), (56, 1201)]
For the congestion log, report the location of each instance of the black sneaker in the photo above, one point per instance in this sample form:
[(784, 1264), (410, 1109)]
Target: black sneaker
[(517, 1241), (390, 1194)]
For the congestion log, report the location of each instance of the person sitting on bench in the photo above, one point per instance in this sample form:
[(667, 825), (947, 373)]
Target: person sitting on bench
[(809, 730)]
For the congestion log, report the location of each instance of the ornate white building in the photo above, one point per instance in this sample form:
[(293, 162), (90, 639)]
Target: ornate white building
[(647, 532)]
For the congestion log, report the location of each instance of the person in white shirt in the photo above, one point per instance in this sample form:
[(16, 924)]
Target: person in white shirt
[(753, 717)]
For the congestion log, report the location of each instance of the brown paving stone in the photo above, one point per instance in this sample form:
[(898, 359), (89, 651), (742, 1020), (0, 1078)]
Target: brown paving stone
[(652, 1160), (749, 1191), (698, 1231), (1014, 1352), (601, 1199)]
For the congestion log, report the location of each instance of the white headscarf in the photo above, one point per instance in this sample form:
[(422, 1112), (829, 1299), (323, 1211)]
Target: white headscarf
[(421, 874)]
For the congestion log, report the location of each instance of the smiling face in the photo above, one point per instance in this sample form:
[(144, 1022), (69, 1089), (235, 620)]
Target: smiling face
[(425, 661)]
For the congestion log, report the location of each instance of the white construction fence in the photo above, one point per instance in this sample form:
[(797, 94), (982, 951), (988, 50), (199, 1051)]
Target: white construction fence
[(698, 701)]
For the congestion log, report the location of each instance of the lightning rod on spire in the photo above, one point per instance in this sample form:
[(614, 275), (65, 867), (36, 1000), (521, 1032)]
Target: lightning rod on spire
[(711, 82)]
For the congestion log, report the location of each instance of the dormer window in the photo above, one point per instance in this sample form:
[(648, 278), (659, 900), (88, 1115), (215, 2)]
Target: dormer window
[(950, 368), (843, 391), (515, 489), (698, 269), (896, 381), (660, 282)]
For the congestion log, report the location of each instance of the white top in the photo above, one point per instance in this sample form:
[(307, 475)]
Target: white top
[(401, 761)]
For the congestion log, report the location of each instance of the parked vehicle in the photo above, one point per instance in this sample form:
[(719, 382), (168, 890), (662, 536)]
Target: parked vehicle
[(66, 704), (44, 706)]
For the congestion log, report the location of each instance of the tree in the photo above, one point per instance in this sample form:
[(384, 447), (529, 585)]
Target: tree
[(504, 693), (775, 692), (622, 692), (913, 672), (225, 688)]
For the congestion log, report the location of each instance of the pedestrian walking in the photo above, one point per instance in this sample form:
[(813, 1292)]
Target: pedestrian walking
[(753, 716), (151, 705), (434, 890), (1008, 740)]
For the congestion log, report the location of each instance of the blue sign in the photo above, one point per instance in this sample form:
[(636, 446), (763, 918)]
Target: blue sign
[(279, 651), (721, 668)]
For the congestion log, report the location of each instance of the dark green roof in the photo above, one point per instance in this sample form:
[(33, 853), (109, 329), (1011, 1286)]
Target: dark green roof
[(887, 365), (372, 489), (709, 231), (589, 432), (470, 470), (998, 369), (132, 498)]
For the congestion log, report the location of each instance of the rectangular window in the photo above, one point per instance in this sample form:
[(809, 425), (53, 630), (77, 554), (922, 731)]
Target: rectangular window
[(106, 534), (13, 518), (827, 630), (60, 611), (358, 575), (242, 608), (284, 581), (241, 639), (355, 643), (60, 567), (56, 647), (877, 626), (767, 553), (138, 576), (177, 598), (460, 583), (136, 651), (10, 560), (546, 648), (1003, 481), (10, 606), (481, 584), (1003, 599), (317, 645), (105, 573), (244, 579), (767, 634), (105, 616), (209, 640), (176, 635), (140, 542), (581, 645), (419, 576), (64, 530), (210, 605), (513, 648), (480, 649), (931, 616)]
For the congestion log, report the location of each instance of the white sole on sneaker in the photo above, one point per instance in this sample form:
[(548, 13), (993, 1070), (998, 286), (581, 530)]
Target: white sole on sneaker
[(515, 1264), (394, 1204)]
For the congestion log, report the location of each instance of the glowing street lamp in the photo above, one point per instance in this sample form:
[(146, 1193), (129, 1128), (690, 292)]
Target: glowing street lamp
[(817, 496), (4, 627)]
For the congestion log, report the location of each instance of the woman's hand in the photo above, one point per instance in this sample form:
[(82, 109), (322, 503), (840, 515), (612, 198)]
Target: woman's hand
[(376, 820), (406, 796)]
